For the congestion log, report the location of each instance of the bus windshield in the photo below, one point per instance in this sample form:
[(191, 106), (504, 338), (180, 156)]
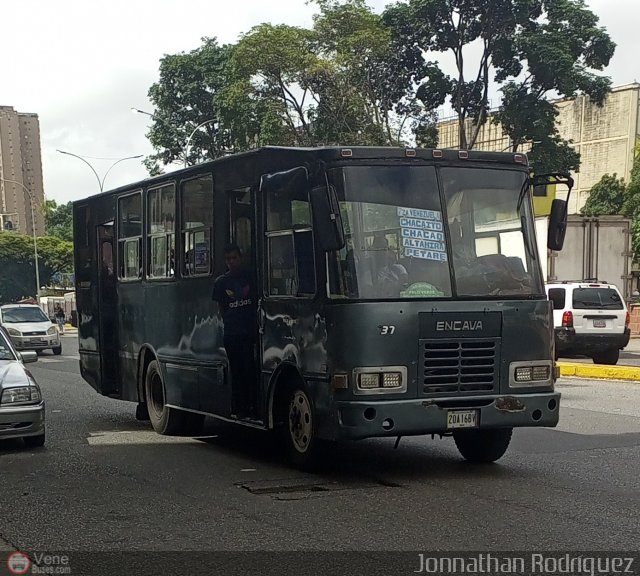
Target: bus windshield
[(401, 244)]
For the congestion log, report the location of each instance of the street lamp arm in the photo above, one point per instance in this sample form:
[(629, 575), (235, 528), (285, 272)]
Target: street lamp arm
[(186, 146), (138, 111), (112, 165), (33, 230), (87, 163)]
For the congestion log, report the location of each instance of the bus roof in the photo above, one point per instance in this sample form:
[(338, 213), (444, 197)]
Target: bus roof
[(335, 153)]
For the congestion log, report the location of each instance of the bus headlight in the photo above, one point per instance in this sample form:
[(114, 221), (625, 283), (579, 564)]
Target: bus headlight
[(530, 373), (380, 379)]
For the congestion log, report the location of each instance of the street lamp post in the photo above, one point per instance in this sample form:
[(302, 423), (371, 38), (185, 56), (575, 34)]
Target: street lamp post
[(33, 229), (100, 182), (186, 146), (185, 150)]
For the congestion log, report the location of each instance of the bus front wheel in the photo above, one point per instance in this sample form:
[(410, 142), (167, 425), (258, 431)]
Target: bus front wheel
[(483, 446), (165, 420), (299, 427)]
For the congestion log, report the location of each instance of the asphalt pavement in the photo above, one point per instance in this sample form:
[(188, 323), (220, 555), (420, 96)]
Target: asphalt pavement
[(106, 482)]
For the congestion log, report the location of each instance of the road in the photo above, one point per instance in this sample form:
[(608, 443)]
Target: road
[(105, 481)]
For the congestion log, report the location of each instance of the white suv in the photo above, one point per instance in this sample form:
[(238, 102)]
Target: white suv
[(590, 319)]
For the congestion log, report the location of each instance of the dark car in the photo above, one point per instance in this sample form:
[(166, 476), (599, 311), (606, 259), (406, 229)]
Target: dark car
[(22, 412)]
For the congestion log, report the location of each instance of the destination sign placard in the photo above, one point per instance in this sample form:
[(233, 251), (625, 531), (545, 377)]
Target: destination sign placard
[(422, 234)]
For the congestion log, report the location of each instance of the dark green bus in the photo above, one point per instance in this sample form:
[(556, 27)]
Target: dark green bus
[(398, 292)]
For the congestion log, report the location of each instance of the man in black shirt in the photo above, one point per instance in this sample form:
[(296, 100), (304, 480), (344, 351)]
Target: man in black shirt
[(235, 294)]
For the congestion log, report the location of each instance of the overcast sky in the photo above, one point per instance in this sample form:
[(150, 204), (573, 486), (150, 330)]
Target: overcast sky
[(81, 65)]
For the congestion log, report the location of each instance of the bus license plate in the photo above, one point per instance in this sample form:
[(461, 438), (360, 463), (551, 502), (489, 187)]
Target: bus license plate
[(599, 323), (462, 419)]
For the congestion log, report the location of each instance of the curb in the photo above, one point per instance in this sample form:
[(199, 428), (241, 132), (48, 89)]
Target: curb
[(599, 371)]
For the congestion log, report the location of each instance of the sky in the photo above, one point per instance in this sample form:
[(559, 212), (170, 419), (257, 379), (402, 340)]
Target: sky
[(81, 65)]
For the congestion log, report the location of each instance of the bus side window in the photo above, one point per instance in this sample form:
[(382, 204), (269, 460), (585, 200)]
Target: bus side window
[(289, 236), (196, 201), (282, 271), (161, 203), (130, 236), (303, 243)]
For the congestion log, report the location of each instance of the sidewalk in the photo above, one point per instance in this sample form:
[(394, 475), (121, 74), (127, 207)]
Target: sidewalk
[(68, 329)]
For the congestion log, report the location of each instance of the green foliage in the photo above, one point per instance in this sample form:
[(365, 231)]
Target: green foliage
[(272, 63), (360, 78), (186, 95), (631, 206), (366, 93), (531, 48), (561, 47), (58, 220), (606, 198), (17, 263), (612, 196), (341, 82)]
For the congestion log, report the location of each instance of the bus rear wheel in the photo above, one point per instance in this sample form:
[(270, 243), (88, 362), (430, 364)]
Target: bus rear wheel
[(483, 446), (165, 420), (299, 427)]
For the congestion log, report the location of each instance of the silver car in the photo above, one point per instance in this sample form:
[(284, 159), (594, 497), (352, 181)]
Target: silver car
[(21, 404), (29, 328)]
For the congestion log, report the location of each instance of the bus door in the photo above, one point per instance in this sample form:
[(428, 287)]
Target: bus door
[(242, 232), (107, 311), (287, 315)]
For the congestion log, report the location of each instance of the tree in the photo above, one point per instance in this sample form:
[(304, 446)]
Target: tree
[(631, 206), (58, 220), (607, 197), (611, 195), (341, 82), (17, 263), (529, 48), (273, 64), (365, 93), (561, 48), (186, 95)]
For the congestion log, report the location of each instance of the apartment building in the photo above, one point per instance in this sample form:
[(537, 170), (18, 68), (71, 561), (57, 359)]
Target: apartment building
[(20, 168), (604, 135)]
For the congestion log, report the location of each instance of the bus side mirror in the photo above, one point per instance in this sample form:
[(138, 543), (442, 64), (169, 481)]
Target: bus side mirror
[(327, 219), (557, 224)]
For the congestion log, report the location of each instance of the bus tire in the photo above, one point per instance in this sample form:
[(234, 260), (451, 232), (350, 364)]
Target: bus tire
[(166, 421), (142, 413), (193, 424), (298, 427), (483, 446)]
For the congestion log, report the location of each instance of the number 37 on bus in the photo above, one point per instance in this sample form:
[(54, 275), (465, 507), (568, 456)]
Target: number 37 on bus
[(325, 293)]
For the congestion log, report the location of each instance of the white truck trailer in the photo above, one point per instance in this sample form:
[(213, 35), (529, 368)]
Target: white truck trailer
[(594, 247)]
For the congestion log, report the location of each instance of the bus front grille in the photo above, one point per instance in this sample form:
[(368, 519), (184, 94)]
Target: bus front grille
[(459, 366)]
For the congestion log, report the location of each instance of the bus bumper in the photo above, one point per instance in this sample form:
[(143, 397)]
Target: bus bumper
[(358, 420)]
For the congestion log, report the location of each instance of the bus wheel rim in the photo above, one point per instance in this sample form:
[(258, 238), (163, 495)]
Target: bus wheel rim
[(300, 421)]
